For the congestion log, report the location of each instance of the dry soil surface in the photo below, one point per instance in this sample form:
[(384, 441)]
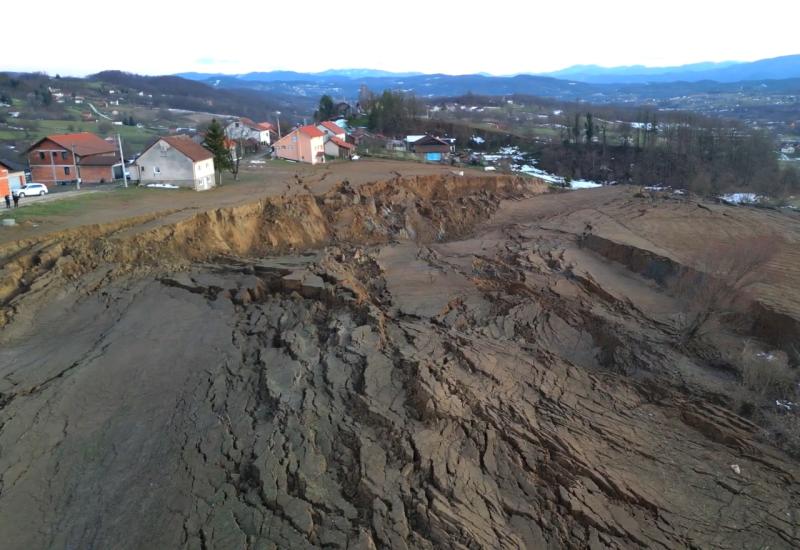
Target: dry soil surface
[(422, 362)]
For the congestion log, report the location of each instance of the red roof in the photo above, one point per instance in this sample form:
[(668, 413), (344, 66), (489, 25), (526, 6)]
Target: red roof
[(311, 131), (260, 126), (333, 127), (341, 143), (83, 143), (185, 145)]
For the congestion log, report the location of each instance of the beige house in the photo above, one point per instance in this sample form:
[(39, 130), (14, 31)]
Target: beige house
[(177, 160), (339, 148), (304, 144)]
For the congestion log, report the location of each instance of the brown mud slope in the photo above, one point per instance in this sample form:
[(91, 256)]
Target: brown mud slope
[(413, 364)]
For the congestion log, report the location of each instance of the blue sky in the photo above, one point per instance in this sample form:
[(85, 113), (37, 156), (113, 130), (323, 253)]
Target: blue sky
[(499, 37)]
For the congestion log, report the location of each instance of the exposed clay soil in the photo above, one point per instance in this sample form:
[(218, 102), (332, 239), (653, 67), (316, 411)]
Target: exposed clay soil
[(427, 362)]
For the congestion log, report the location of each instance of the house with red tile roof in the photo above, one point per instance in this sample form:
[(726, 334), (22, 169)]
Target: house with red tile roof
[(177, 160), (339, 148), (244, 129), (62, 158), (331, 129), (303, 144)]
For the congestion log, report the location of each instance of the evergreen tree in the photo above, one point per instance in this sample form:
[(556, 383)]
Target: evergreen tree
[(215, 142), (325, 110)]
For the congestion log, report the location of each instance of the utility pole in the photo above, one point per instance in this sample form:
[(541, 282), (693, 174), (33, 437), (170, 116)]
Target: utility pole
[(278, 119), (77, 169), (122, 160)]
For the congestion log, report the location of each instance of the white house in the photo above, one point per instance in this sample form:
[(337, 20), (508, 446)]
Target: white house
[(244, 128), (331, 129), (177, 160)]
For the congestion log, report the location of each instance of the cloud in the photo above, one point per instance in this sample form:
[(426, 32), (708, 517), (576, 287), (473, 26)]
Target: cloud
[(213, 61)]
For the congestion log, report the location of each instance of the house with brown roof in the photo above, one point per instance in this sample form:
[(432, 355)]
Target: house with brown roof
[(429, 148), (339, 148), (246, 129), (303, 144), (331, 129), (177, 160), (336, 144), (63, 158)]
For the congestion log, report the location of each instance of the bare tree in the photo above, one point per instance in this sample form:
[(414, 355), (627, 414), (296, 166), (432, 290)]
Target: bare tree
[(717, 280)]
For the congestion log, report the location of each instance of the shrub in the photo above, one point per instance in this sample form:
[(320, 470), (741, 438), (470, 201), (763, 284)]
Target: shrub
[(716, 281), (768, 374)]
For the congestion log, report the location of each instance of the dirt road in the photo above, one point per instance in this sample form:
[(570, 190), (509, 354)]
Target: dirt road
[(432, 362)]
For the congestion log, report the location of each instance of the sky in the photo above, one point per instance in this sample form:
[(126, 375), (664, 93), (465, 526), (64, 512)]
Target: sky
[(433, 36)]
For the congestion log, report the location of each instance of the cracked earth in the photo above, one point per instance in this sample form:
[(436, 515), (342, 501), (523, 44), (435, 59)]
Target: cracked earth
[(421, 363)]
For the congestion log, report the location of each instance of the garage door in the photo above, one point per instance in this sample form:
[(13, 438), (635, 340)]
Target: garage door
[(433, 157)]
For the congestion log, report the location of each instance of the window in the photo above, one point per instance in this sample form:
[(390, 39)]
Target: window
[(41, 155), (66, 170), (54, 154), (156, 170), (63, 155)]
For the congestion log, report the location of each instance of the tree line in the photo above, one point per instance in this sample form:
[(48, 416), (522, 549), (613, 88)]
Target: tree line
[(702, 154)]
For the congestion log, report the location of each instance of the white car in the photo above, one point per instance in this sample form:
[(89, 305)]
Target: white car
[(31, 189)]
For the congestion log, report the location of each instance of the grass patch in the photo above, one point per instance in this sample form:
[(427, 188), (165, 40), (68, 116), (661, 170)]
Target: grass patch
[(69, 206)]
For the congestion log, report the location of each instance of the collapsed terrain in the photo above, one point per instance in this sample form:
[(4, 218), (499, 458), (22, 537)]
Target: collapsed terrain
[(415, 363)]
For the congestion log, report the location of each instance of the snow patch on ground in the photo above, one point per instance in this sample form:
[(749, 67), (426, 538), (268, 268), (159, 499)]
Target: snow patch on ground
[(523, 163), (740, 198), (162, 186)]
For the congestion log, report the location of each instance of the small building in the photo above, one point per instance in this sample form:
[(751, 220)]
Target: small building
[(52, 161), (430, 148), (303, 144), (177, 160), (331, 129), (339, 148), (15, 174), (395, 145), (244, 128), (343, 109)]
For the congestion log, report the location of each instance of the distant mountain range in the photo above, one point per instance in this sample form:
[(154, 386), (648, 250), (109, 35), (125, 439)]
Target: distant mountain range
[(776, 68), (293, 76), (440, 85), (631, 84)]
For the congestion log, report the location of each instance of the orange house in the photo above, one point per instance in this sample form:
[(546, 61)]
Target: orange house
[(4, 188), (52, 161), (304, 144)]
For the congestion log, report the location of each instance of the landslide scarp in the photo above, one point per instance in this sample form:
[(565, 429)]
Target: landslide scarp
[(423, 208)]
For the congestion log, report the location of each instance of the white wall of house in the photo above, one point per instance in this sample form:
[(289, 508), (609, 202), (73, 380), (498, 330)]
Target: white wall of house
[(162, 163), (204, 174), (341, 135), (238, 130)]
